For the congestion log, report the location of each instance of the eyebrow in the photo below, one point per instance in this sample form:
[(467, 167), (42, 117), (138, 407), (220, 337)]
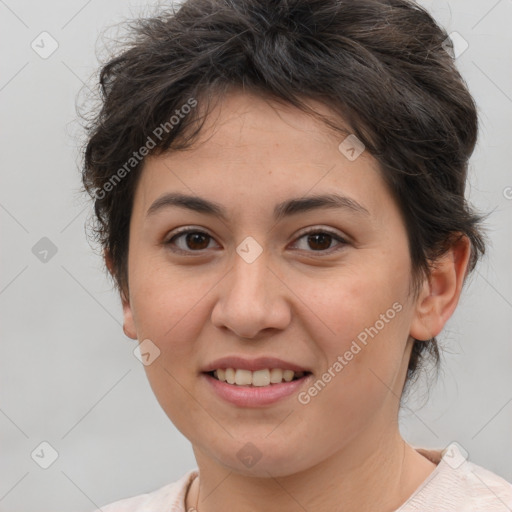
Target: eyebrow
[(281, 210)]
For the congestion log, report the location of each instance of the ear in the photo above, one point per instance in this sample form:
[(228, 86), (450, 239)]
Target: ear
[(441, 291), (128, 323)]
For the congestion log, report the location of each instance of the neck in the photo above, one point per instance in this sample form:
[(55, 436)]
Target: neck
[(381, 477)]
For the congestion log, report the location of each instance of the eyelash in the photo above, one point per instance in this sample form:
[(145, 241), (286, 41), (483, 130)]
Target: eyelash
[(314, 231)]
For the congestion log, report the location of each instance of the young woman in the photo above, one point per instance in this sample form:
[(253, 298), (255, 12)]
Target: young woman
[(279, 189)]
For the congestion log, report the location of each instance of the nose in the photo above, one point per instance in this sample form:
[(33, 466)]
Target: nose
[(252, 299)]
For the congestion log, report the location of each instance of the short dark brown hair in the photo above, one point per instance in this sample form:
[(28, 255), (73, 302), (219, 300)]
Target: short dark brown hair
[(382, 65)]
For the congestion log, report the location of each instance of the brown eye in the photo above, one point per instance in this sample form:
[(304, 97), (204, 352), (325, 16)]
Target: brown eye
[(190, 241), (320, 241), (196, 241)]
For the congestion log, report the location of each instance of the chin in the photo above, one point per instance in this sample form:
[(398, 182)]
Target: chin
[(263, 463)]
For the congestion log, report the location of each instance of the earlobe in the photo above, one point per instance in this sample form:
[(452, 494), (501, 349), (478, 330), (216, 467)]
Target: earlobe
[(128, 323), (441, 291)]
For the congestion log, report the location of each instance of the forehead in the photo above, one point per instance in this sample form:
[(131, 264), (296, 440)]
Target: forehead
[(254, 150), (251, 121)]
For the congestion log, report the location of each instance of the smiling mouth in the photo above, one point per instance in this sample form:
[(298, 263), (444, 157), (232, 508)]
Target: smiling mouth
[(259, 378)]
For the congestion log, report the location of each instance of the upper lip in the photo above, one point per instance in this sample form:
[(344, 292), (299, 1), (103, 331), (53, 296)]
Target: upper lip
[(260, 363)]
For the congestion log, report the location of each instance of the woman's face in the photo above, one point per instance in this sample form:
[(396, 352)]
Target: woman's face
[(253, 285)]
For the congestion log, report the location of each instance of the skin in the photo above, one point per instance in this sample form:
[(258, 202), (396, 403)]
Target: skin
[(344, 448)]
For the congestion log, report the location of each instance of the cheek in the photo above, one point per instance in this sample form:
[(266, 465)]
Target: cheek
[(366, 319), (351, 303), (166, 303), (167, 309)]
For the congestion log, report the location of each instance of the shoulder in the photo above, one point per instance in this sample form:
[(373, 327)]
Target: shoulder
[(487, 490), (460, 485), (170, 497)]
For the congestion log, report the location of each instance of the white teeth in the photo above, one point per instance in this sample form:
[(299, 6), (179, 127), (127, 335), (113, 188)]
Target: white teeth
[(260, 378), (257, 378), (243, 377), (276, 375), (288, 375), (230, 375)]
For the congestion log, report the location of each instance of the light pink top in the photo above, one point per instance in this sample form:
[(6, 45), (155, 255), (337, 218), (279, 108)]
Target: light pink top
[(455, 485)]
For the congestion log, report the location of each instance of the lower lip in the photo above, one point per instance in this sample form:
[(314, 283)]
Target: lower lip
[(254, 396)]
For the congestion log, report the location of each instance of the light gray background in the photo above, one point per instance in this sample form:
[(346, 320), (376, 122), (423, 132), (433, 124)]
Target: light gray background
[(68, 374)]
